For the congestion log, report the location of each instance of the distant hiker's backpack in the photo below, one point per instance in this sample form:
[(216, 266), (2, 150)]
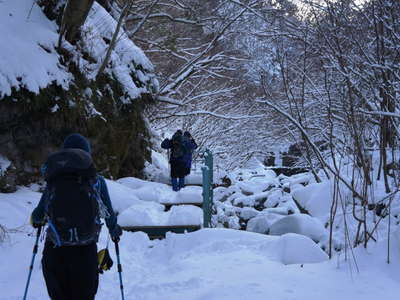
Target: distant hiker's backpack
[(72, 207), (178, 147)]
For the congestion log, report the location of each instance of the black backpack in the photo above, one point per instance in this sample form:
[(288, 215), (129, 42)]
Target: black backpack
[(178, 149), (73, 207)]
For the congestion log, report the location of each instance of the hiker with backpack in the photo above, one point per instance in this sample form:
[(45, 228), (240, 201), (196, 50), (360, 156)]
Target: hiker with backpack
[(189, 140), (74, 200), (178, 159)]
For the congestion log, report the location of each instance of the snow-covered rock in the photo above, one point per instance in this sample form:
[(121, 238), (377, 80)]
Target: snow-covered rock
[(301, 224), (263, 222), (247, 213), (316, 198), (293, 248)]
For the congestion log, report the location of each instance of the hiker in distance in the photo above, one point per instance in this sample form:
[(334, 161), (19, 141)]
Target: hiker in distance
[(189, 155), (74, 200), (180, 148)]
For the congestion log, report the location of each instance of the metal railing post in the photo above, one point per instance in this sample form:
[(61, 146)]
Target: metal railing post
[(207, 170)]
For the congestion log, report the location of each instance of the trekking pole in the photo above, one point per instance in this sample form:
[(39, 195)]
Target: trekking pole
[(35, 250), (119, 270)]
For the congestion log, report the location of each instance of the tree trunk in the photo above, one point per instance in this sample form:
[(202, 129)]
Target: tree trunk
[(74, 16)]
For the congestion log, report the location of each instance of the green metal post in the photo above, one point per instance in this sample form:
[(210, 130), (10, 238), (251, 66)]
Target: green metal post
[(207, 188)]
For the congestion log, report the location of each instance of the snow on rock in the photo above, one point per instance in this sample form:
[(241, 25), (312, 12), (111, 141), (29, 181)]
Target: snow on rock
[(126, 58), (263, 222), (247, 213), (296, 186), (293, 248), (257, 174), (255, 187), (28, 58), (258, 224), (316, 198), (251, 200), (274, 197), (302, 178), (301, 224), (4, 164)]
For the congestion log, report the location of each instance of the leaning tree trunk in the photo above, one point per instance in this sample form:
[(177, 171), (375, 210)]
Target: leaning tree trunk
[(74, 16)]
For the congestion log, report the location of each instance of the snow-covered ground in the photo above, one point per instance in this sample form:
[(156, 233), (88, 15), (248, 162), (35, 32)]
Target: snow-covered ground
[(213, 263), (29, 37)]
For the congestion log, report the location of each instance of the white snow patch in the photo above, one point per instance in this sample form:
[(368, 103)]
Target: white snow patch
[(316, 198), (4, 164), (293, 248), (126, 61), (301, 224), (28, 58)]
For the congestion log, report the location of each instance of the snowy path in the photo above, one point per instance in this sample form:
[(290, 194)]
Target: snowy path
[(226, 264), (207, 264), (214, 264)]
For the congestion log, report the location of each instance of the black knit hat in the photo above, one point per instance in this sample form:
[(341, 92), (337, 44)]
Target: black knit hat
[(78, 141)]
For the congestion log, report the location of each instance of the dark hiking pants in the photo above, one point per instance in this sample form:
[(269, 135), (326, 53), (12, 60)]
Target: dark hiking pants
[(71, 272), (178, 169)]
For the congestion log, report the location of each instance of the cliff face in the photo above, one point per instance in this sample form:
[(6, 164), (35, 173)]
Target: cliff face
[(48, 92)]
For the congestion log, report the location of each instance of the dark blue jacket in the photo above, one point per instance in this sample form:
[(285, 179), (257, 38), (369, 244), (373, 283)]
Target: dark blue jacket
[(190, 145)]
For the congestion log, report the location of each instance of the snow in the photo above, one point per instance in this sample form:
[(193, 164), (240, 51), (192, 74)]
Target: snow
[(248, 212), (280, 255), (162, 193), (293, 248), (315, 198), (263, 221), (4, 164), (28, 56), (207, 264), (155, 216), (143, 206), (126, 58), (25, 42), (300, 224)]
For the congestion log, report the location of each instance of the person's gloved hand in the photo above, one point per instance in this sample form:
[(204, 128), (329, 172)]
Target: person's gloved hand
[(36, 222), (115, 233)]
